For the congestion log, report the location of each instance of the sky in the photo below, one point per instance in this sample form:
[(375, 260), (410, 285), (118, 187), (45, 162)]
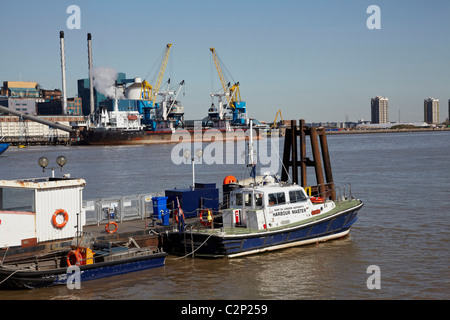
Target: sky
[(313, 60)]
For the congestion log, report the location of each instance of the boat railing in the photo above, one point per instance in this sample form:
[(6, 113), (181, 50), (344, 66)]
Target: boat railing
[(343, 193), (340, 194), (122, 208)]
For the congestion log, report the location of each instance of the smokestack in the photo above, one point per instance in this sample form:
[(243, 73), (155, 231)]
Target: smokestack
[(63, 71), (91, 85)]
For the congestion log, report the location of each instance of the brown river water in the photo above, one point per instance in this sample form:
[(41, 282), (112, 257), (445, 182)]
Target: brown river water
[(403, 229)]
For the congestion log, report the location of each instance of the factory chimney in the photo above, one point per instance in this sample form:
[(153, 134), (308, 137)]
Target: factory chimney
[(91, 85), (63, 72)]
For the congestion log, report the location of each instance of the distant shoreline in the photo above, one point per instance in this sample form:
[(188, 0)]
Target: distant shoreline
[(368, 131)]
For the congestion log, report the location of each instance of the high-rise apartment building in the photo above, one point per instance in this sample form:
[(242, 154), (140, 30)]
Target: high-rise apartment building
[(379, 110), (448, 119), (431, 110)]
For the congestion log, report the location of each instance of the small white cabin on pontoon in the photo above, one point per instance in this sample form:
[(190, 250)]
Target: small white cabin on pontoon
[(40, 209)]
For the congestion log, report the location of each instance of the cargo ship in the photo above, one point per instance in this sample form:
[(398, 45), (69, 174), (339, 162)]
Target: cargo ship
[(132, 120)]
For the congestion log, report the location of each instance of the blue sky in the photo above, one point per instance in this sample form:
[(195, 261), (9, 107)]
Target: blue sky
[(315, 60)]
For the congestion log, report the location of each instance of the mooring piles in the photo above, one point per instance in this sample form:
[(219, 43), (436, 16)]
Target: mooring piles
[(295, 157)]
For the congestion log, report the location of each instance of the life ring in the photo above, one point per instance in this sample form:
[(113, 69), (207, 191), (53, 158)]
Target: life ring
[(229, 179), (77, 255), (317, 200), (111, 231), (66, 218), (208, 219)]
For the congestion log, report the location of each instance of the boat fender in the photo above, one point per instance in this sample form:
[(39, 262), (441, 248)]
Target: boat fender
[(111, 231), (66, 218), (77, 255), (229, 179), (205, 217)]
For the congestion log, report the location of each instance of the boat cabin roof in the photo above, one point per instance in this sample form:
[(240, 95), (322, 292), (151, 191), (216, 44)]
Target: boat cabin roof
[(42, 183), (269, 188)]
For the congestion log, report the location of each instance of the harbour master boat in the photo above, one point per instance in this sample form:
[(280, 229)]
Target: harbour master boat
[(263, 214), (94, 260), (266, 216)]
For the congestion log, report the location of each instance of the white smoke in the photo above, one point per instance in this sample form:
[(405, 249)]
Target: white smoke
[(104, 80)]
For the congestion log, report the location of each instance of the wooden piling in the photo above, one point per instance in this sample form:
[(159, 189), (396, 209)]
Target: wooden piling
[(317, 161), (327, 162), (291, 158), (304, 182)]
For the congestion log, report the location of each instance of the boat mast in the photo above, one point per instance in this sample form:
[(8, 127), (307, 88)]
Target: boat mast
[(251, 162)]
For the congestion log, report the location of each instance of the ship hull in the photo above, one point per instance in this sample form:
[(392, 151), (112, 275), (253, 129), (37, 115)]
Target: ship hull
[(142, 137)]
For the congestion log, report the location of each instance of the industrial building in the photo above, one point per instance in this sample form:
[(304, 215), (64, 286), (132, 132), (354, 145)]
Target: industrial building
[(379, 110), (28, 98), (84, 94), (25, 105), (20, 89), (74, 106), (431, 110)]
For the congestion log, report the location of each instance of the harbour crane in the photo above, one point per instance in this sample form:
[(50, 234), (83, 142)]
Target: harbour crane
[(275, 124), (148, 92), (232, 93)]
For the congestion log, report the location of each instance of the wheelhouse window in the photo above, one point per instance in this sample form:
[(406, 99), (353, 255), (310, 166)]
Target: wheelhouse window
[(296, 196), (239, 199), (276, 198), (248, 199), (244, 198), (258, 199)]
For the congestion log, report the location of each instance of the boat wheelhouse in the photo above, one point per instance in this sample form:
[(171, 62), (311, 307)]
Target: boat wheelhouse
[(271, 206)]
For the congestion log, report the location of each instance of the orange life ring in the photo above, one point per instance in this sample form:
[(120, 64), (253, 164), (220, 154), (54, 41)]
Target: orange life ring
[(317, 200), (111, 231), (66, 218), (77, 255), (229, 179), (205, 221)]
